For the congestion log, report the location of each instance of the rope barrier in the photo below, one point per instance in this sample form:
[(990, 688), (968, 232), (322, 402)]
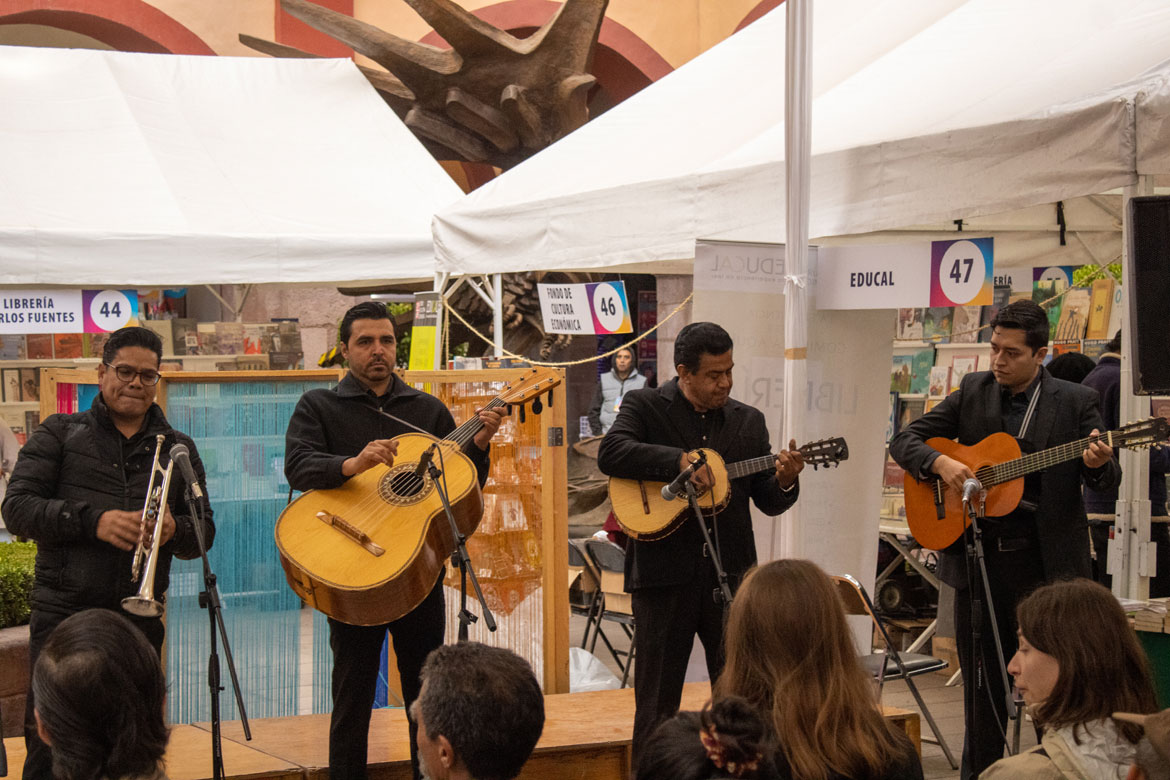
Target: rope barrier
[(562, 364)]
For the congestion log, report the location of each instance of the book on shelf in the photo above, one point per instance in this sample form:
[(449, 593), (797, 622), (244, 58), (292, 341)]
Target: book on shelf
[(229, 338), (12, 346), (1115, 312), (940, 381), (909, 325), (32, 418), (893, 474), (208, 339), (1094, 348), (67, 345), (1100, 304), (900, 374), (965, 324), (166, 332), (284, 361), (30, 384), (920, 366), (1000, 296), (1074, 315), (960, 367), (39, 346), (936, 324), (185, 336), (254, 340), (891, 426), (10, 378), (287, 337), (1160, 407), (909, 410), (1061, 347), (94, 344), (1047, 293)]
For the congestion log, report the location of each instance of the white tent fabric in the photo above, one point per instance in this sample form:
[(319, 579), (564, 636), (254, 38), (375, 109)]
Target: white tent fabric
[(985, 107), (152, 170)]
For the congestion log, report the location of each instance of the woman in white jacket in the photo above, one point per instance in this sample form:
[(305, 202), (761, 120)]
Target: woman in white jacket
[(1078, 662)]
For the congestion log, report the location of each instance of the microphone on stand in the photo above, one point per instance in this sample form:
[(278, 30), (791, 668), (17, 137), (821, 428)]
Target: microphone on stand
[(424, 460), (971, 488), (181, 456), (679, 486)]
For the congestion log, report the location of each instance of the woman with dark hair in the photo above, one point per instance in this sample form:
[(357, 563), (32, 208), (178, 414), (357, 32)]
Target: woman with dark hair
[(791, 654), (100, 693), (1078, 663), (727, 739)]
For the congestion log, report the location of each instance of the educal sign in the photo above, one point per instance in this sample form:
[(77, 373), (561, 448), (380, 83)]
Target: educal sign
[(67, 311)]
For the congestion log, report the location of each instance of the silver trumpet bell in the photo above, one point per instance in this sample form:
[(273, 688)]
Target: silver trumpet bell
[(143, 603)]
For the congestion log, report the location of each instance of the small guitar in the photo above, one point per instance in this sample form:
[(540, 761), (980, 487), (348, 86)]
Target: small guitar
[(369, 552), (934, 511), (644, 514)]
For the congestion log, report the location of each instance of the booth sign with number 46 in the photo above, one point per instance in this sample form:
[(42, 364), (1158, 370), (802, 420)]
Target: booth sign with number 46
[(597, 307)]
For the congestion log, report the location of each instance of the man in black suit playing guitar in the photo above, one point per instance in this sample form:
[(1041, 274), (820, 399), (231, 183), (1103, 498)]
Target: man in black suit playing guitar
[(338, 433), (1046, 537), (673, 580)]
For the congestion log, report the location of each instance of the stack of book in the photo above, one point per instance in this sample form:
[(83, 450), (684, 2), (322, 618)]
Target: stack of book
[(1149, 615)]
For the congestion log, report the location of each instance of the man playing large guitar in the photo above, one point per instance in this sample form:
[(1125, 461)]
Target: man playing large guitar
[(1045, 538), (332, 436), (672, 579)]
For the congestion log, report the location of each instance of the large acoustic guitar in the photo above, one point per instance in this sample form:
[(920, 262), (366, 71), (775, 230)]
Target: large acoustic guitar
[(369, 552), (644, 514), (935, 512)]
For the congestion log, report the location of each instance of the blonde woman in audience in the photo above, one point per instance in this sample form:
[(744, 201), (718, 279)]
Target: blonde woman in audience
[(790, 653), (1078, 662)]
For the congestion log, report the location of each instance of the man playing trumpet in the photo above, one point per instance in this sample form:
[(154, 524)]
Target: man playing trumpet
[(79, 489)]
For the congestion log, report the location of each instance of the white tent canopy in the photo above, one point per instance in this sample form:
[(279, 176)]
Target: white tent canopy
[(160, 170), (922, 113)]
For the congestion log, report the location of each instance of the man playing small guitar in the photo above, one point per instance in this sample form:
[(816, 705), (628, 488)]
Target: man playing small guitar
[(672, 579), (1045, 537), (334, 435)]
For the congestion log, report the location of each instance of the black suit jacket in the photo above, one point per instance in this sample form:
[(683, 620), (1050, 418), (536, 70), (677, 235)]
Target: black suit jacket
[(647, 442), (1064, 412)]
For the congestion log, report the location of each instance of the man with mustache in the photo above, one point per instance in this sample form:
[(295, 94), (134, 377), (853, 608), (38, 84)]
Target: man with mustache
[(333, 435)]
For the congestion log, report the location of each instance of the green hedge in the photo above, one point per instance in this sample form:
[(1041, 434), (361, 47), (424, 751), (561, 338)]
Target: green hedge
[(16, 579)]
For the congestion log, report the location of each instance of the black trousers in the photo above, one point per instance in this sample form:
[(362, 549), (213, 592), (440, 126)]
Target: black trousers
[(38, 761), (668, 618), (1012, 576), (1159, 534), (356, 659)]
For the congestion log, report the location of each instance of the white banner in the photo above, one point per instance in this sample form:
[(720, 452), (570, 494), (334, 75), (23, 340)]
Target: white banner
[(41, 311), (880, 276), (728, 266)]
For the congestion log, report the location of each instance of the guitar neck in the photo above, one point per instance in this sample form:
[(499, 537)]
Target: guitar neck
[(1038, 461), (466, 432), (745, 468)]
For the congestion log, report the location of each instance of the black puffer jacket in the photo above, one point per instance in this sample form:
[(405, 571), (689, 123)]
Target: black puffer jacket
[(71, 470)]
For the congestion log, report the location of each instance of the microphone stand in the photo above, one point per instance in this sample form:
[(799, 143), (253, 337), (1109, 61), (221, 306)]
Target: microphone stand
[(462, 559), (975, 553), (723, 592), (209, 600)]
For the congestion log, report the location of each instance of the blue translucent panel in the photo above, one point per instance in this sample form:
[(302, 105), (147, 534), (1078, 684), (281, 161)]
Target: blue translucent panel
[(239, 429)]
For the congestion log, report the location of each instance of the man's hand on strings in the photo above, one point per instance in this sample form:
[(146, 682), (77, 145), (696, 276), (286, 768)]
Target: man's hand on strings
[(378, 451), (1098, 453), (702, 478), (952, 472), (490, 419), (789, 464)]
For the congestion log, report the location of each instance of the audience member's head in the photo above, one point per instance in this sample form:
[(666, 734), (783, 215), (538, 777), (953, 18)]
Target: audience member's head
[(1152, 761), (1114, 344), (479, 714), (727, 739), (1071, 366), (1078, 660), (791, 654), (99, 695)]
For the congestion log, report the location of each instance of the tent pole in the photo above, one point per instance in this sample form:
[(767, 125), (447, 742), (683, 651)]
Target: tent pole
[(498, 313), (441, 279)]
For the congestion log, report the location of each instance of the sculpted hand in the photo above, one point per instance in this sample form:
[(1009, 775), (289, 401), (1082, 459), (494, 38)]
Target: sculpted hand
[(952, 472), (491, 419), (378, 451), (120, 528), (789, 464), (1097, 454)]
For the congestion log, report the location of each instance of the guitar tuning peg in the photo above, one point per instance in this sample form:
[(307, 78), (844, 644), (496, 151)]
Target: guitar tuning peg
[(508, 409), (537, 406), (521, 414), (550, 399)]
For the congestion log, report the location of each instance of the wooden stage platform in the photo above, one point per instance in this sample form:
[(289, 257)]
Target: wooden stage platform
[(586, 737)]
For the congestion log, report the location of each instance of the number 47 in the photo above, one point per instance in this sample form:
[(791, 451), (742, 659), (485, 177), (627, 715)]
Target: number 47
[(957, 274)]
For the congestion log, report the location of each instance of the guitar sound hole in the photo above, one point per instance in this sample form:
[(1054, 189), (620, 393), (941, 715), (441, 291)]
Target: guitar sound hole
[(400, 486)]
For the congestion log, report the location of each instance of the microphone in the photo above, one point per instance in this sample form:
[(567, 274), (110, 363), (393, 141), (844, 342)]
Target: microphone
[(424, 460), (970, 488), (679, 485), (182, 456)]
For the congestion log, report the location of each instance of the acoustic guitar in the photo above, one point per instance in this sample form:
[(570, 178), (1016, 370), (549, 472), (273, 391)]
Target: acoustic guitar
[(369, 552), (644, 514), (935, 512)]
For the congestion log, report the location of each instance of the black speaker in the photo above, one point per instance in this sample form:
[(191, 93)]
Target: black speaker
[(1149, 293)]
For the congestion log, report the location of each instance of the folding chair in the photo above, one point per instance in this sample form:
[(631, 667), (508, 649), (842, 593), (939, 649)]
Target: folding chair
[(616, 606), (585, 592), (892, 664)]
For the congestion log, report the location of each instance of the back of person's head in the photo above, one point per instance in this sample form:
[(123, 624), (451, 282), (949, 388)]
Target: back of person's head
[(1071, 366), (727, 739), (484, 704), (1114, 344), (1028, 317), (132, 336), (698, 339), (790, 652), (1102, 668), (366, 310), (1152, 754), (99, 694)]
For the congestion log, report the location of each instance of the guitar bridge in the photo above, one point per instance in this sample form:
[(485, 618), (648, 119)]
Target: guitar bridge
[(940, 508), (354, 533)]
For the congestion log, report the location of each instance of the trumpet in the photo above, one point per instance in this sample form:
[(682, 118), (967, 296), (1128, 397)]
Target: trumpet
[(143, 603)]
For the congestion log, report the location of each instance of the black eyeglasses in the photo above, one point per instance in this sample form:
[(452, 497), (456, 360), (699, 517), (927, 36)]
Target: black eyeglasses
[(127, 373)]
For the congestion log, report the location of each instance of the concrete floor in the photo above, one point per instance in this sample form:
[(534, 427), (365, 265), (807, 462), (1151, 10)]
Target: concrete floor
[(945, 702)]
